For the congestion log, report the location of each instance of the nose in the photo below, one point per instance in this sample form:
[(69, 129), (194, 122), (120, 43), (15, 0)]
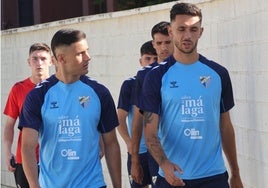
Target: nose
[(187, 34), (164, 46), (39, 61), (87, 57)]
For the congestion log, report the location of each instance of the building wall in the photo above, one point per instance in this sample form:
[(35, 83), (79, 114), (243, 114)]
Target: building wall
[(234, 35)]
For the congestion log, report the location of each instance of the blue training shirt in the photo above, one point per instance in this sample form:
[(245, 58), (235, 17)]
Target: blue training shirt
[(125, 102), (189, 100), (69, 119)]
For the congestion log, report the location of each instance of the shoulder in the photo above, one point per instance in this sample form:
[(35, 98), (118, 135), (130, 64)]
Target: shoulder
[(144, 70), (129, 82), (221, 70), (162, 67), (41, 88), (23, 83), (96, 86)]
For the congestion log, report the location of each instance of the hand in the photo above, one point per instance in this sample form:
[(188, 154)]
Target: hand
[(8, 163), (235, 182), (136, 171), (169, 169)]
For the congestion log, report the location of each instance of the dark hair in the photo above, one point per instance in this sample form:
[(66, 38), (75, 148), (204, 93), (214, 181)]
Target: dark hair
[(66, 37), (185, 9), (147, 48), (161, 27), (39, 46)]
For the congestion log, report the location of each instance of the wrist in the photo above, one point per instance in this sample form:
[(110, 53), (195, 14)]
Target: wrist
[(134, 158)]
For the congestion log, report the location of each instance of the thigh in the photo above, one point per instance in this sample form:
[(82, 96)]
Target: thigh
[(153, 169), (162, 183), (146, 179), (20, 178), (218, 181)]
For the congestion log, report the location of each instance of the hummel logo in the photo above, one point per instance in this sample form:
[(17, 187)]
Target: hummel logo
[(173, 84), (54, 104)]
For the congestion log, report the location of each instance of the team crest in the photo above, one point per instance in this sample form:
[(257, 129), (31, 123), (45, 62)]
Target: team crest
[(84, 101), (205, 80)]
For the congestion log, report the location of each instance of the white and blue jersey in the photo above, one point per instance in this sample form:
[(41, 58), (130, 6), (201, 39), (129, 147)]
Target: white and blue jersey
[(189, 100), (69, 119), (125, 102)]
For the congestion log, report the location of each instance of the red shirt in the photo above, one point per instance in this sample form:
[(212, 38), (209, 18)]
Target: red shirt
[(13, 108)]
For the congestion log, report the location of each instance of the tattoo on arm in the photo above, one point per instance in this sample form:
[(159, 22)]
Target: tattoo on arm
[(155, 148), (148, 117), (153, 143)]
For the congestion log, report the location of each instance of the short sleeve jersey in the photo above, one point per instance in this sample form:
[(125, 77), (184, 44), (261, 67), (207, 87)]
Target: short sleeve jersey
[(125, 102), (189, 100), (69, 118), (139, 83), (13, 108)]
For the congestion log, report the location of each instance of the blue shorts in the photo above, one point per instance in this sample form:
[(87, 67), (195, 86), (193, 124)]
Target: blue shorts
[(149, 167), (217, 181)]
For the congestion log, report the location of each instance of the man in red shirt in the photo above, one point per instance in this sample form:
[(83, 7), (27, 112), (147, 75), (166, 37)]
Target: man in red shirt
[(39, 61)]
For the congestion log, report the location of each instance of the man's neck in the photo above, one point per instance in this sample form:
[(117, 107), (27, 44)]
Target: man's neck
[(38, 78), (186, 58)]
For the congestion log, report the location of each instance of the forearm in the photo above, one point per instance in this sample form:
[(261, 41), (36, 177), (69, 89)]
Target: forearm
[(137, 128), (229, 144), (123, 128), (113, 160), (8, 141), (30, 166), (8, 136), (152, 140), (229, 148), (123, 131), (28, 152)]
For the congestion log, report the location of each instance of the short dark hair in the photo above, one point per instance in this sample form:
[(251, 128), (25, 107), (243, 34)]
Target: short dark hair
[(39, 46), (66, 37), (161, 27), (185, 9), (147, 48)]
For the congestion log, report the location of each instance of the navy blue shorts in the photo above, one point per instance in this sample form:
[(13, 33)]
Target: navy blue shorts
[(217, 181), (149, 167)]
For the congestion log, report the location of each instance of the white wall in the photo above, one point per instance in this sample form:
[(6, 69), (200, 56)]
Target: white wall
[(235, 35)]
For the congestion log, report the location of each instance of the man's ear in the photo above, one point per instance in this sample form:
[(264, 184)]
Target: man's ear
[(28, 61), (169, 30), (53, 60), (60, 58), (201, 31), (140, 61)]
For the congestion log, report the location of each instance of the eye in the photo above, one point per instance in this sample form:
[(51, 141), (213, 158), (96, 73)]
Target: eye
[(194, 29), (181, 29)]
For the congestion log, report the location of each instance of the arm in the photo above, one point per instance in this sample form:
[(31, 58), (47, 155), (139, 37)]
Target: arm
[(29, 143), (8, 140), (154, 146), (102, 149), (137, 128), (229, 148), (122, 128), (113, 157)]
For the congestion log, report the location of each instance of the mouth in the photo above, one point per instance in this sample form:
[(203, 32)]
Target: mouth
[(39, 69), (187, 44), (85, 66)]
